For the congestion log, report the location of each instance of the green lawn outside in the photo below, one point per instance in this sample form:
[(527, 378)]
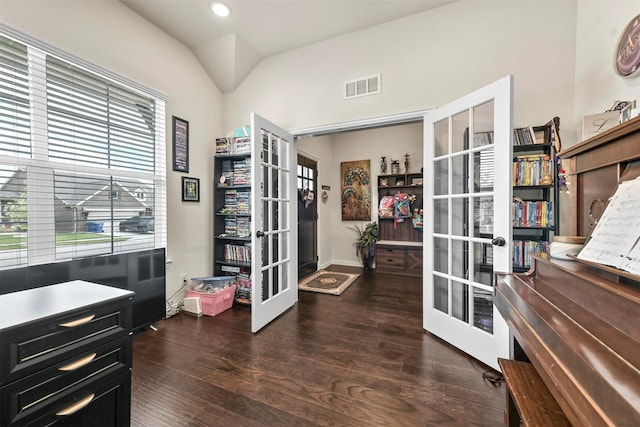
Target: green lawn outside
[(12, 241)]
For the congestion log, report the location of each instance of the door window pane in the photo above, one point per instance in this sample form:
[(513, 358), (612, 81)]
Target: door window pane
[(441, 138), (460, 216), (483, 124), (440, 216), (441, 177), (460, 174), (483, 216), (483, 170), (460, 258), (483, 263), (440, 255), (483, 310), (460, 132), (440, 294), (460, 301)]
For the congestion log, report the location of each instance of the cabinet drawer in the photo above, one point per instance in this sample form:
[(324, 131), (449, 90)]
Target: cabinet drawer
[(24, 398), (102, 401), (390, 258), (27, 350)]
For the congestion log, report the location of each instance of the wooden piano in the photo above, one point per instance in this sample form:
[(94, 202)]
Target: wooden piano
[(576, 324)]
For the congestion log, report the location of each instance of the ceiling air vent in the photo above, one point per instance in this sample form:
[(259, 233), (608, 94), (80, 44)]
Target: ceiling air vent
[(362, 87)]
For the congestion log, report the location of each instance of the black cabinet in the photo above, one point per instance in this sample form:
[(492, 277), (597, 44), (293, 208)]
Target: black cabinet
[(65, 356), (535, 191), (232, 218)]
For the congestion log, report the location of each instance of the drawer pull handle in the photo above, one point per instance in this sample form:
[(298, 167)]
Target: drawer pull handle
[(78, 363), (78, 322), (76, 406)]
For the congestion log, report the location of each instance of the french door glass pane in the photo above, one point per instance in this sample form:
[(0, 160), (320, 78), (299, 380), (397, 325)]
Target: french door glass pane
[(440, 255), (483, 216), (483, 170), (460, 216), (440, 294), (459, 300), (483, 263), (440, 216), (460, 258), (441, 138), (483, 309), (483, 121), (440, 177), (275, 150), (460, 174), (459, 136)]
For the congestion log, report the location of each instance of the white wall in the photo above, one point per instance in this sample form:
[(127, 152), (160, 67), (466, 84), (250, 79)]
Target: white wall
[(110, 35), (597, 86), (426, 60)]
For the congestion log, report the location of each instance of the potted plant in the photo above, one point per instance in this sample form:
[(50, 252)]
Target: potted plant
[(365, 243)]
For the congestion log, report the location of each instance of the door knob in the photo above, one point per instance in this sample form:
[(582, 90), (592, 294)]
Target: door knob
[(259, 233), (498, 241)]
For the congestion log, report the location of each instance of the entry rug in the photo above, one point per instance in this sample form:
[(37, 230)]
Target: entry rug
[(327, 282)]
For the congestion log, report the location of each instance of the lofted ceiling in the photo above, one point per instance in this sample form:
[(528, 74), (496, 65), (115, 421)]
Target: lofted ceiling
[(229, 48)]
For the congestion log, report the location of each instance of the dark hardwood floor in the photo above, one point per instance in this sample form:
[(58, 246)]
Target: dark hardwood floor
[(359, 359)]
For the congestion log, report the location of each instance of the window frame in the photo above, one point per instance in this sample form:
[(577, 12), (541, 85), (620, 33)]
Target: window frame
[(40, 169)]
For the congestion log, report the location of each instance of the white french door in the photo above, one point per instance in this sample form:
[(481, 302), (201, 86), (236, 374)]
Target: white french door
[(274, 263), (468, 232)]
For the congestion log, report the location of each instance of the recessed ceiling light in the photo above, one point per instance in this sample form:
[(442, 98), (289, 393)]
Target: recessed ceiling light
[(220, 9)]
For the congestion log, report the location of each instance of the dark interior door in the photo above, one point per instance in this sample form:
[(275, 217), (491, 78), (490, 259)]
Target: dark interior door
[(307, 216)]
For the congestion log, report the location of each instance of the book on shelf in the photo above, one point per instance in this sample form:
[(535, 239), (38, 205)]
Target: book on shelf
[(237, 253), (533, 169), (523, 249), (529, 135), (536, 213)]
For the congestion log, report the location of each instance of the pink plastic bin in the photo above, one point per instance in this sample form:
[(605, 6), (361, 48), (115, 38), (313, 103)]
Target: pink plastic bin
[(214, 304)]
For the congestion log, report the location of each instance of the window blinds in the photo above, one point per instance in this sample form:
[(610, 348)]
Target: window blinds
[(15, 124), (79, 154)]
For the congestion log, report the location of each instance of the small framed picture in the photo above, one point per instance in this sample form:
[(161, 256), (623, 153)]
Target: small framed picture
[(190, 189), (384, 182)]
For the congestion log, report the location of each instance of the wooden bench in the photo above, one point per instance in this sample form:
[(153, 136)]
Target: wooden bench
[(528, 399)]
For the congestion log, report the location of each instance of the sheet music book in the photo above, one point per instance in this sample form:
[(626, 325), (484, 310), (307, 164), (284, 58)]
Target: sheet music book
[(616, 239)]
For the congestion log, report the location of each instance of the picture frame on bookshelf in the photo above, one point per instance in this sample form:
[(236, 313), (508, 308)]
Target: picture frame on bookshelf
[(190, 189), (384, 182), (416, 181), (180, 133)]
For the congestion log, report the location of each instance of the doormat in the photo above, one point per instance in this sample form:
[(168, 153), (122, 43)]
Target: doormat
[(327, 282)]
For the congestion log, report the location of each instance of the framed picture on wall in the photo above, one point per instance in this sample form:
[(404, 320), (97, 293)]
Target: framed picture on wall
[(356, 190), (190, 189), (180, 129)]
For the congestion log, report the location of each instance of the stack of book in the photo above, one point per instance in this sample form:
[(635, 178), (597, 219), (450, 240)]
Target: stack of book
[(243, 227), (242, 172), (223, 145), (242, 145)]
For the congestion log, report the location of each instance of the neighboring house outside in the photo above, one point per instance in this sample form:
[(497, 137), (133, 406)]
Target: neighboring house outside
[(80, 200)]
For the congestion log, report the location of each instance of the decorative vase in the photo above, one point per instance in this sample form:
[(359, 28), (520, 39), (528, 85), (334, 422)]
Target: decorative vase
[(383, 165)]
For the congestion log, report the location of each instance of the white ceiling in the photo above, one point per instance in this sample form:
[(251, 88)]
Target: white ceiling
[(230, 48)]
